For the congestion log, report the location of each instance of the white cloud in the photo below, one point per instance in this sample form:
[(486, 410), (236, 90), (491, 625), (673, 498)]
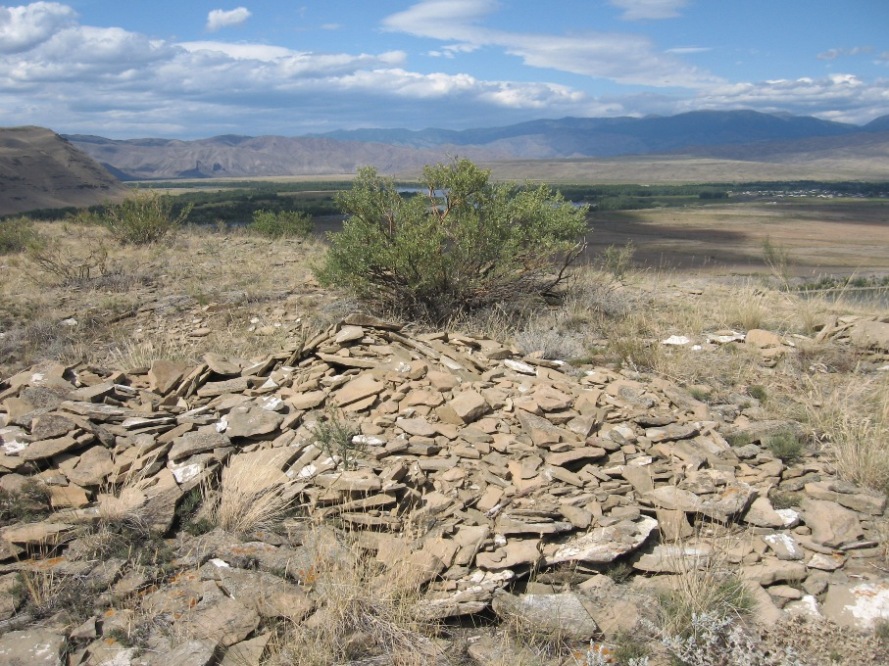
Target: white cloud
[(649, 9), (848, 97), (23, 28), (220, 18), (684, 50), (624, 58)]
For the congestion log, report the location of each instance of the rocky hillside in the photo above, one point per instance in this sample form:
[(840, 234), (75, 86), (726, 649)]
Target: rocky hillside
[(218, 513), (40, 169)]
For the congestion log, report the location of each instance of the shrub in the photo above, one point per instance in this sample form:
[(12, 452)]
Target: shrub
[(16, 235), (618, 260), (144, 218), (281, 224), (786, 446), (466, 244)]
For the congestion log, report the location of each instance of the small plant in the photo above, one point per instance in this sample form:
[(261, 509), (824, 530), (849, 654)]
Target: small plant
[(777, 258), (786, 446), (785, 499), (281, 224), (739, 439), (758, 392), (144, 218), (700, 394), (16, 235), (29, 504), (881, 631), (714, 640), (617, 260), (72, 257), (630, 650), (337, 439)]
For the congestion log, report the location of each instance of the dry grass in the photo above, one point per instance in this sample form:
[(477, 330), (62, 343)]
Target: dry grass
[(252, 496), (130, 304), (367, 611), (852, 418), (705, 584)]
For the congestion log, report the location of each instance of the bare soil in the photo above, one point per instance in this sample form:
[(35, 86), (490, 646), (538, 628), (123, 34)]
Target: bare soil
[(834, 237)]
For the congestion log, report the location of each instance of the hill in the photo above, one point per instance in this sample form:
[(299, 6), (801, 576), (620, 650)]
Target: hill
[(734, 135), (40, 169)]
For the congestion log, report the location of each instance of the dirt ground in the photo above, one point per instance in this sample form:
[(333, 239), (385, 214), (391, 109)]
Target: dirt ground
[(835, 237)]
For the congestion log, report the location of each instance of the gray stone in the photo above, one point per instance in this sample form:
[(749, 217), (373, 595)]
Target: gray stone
[(32, 647), (602, 544), (199, 441), (563, 615)]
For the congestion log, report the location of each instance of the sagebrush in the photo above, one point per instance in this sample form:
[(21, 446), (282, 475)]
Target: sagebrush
[(465, 243)]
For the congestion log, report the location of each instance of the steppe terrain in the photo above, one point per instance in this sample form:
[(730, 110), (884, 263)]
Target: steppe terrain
[(236, 466), (208, 458)]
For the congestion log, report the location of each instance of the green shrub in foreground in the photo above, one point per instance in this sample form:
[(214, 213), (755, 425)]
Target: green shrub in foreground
[(465, 244), (144, 218), (16, 235), (280, 224)]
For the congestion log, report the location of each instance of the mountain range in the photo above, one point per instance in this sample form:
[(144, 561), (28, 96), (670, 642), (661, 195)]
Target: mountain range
[(745, 135)]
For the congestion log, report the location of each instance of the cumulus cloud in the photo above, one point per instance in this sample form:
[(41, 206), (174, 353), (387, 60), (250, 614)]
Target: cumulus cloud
[(649, 9), (23, 28), (849, 98), (221, 18)]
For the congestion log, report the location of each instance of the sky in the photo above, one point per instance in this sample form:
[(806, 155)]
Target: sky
[(193, 69)]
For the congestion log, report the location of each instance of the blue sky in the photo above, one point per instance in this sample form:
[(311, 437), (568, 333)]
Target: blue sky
[(192, 69)]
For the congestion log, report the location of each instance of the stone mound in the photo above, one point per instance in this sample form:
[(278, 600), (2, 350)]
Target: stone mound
[(491, 481)]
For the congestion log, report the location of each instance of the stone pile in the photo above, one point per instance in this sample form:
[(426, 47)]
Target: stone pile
[(491, 481)]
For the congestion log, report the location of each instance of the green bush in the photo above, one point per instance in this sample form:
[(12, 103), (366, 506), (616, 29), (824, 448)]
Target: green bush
[(465, 244), (16, 235), (786, 446), (280, 224), (144, 218)]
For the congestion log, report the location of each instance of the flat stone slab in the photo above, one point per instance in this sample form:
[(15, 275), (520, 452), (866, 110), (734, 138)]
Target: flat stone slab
[(603, 544), (857, 605), (33, 647), (562, 615)]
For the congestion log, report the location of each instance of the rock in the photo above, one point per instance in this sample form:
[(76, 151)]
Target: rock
[(857, 605), (563, 615), (365, 386), (192, 653), (469, 406), (762, 514), (831, 524), (869, 334), (252, 421), (602, 544), (675, 558), (199, 441), (32, 647), (220, 620), (164, 376), (784, 546)]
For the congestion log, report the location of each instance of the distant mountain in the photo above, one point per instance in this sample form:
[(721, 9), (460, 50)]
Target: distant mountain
[(609, 137), (244, 157), (40, 169), (747, 135)]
